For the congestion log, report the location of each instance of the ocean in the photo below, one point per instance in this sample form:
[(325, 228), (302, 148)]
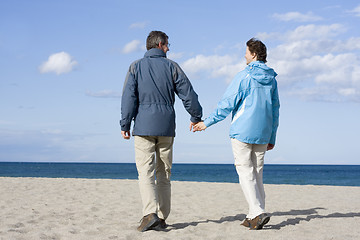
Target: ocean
[(335, 175)]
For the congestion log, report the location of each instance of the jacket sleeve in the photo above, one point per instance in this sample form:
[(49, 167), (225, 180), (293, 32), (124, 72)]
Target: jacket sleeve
[(186, 93), (231, 98), (275, 109), (129, 101)]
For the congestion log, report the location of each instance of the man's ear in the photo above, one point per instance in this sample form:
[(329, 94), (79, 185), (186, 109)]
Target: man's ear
[(159, 45)]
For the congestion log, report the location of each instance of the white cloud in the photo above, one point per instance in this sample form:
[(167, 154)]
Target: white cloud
[(348, 91), (265, 36), (138, 25), (306, 32), (356, 11), (172, 55), (218, 66), (352, 43), (326, 93), (318, 66), (104, 94), (334, 69), (305, 48), (132, 46), (59, 63), (314, 62), (312, 31), (317, 57), (297, 17)]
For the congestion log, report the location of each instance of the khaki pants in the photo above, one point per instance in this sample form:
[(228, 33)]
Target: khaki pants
[(153, 156), (249, 163)]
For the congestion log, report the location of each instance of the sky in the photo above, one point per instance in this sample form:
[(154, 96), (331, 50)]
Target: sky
[(63, 66)]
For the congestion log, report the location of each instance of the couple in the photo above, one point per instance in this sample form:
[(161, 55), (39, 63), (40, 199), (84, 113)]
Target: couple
[(148, 99)]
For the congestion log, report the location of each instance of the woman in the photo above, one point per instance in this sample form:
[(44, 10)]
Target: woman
[(252, 98)]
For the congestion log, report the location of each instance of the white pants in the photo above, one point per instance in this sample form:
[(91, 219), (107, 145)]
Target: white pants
[(153, 156), (249, 163)]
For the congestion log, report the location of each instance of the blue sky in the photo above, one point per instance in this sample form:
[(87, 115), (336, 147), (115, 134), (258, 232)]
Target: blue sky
[(63, 65)]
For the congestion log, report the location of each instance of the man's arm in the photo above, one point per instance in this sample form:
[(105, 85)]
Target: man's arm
[(129, 104), (186, 93)]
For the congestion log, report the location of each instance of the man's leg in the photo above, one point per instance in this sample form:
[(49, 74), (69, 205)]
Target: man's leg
[(245, 169), (164, 151), (145, 164)]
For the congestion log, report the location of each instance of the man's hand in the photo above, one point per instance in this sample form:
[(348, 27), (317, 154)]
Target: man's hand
[(125, 134), (270, 146), (191, 125)]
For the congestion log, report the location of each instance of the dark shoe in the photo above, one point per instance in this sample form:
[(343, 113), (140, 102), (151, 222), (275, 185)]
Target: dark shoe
[(246, 222), (259, 222), (148, 222), (161, 226)]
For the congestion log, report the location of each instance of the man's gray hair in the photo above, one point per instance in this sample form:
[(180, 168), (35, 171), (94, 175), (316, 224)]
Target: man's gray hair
[(154, 38)]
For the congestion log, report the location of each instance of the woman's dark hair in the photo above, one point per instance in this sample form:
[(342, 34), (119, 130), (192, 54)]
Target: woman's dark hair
[(257, 47), (154, 38)]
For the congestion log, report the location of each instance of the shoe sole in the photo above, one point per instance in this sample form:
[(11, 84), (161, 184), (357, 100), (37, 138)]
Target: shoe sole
[(150, 225), (261, 224)]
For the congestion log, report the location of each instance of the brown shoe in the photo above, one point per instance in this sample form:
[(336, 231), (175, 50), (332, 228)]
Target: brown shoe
[(259, 222), (148, 222), (246, 223)]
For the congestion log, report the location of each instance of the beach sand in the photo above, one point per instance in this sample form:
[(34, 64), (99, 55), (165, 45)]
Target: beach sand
[(46, 208)]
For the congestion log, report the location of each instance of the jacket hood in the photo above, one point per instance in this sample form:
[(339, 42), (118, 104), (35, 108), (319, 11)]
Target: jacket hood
[(261, 73), (155, 52)]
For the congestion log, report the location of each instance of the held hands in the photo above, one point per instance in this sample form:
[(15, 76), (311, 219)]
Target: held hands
[(199, 126), (195, 127)]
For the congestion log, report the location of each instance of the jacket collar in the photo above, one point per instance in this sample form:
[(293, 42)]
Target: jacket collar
[(256, 63), (155, 52)]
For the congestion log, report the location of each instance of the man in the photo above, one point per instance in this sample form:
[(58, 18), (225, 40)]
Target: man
[(252, 98), (148, 99)]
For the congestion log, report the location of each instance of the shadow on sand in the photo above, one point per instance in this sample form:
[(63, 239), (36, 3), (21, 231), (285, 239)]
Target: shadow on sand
[(177, 226), (311, 213)]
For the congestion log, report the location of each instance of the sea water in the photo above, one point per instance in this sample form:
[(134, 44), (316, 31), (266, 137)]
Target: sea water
[(337, 175)]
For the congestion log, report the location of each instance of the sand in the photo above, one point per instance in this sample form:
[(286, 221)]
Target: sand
[(45, 208)]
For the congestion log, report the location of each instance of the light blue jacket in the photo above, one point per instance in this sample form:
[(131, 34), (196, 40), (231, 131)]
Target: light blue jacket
[(252, 98)]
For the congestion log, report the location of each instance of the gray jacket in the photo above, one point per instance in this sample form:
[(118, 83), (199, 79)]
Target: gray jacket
[(149, 95)]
